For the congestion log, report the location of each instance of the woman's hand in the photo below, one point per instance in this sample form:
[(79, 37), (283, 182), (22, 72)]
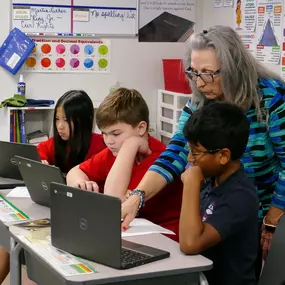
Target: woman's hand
[(272, 218), (266, 238), (129, 210)]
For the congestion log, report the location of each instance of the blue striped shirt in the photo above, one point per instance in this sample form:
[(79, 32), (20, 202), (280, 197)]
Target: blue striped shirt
[(264, 157)]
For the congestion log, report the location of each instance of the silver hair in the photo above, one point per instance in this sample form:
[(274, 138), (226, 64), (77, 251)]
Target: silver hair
[(240, 71)]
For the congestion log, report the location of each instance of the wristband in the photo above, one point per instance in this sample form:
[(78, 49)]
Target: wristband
[(139, 193), (268, 227)]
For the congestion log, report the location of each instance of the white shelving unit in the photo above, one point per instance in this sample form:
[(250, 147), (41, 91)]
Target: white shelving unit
[(169, 108), (36, 118)]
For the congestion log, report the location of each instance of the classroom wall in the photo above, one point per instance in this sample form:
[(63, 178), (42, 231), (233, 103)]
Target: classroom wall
[(133, 64), (223, 16)]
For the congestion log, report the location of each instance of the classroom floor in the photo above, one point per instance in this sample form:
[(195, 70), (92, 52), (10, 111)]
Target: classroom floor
[(25, 280)]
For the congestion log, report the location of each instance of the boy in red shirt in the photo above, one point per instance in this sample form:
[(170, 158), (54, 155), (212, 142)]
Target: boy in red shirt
[(123, 118)]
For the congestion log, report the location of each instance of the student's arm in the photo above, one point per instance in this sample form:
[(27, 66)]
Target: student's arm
[(170, 164), (83, 176), (228, 217), (194, 235), (119, 176), (46, 151)]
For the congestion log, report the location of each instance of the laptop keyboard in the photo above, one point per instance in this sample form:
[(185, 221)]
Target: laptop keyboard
[(130, 256)]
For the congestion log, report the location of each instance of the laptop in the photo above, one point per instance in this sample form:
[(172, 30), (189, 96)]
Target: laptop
[(88, 224), (8, 165), (166, 28), (38, 177)]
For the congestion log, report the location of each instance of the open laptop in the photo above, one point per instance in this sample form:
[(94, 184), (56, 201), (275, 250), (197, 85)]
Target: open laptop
[(38, 177), (88, 224), (8, 165), (166, 28)]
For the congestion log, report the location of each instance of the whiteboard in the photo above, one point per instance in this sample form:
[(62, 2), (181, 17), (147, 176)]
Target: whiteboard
[(87, 18)]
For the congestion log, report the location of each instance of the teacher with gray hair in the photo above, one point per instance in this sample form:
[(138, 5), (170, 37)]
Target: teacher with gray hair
[(222, 69)]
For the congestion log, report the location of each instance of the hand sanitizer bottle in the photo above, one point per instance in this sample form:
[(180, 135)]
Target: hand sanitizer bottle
[(21, 86)]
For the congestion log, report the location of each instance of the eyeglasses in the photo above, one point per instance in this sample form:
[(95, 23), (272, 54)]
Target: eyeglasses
[(207, 77), (210, 151)]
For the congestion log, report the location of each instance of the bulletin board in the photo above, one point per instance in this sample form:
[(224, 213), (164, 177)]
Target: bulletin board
[(76, 18)]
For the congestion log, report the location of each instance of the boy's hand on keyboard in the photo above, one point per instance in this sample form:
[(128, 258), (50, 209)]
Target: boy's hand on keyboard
[(87, 185)]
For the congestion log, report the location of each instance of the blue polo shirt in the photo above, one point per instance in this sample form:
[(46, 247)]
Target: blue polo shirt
[(232, 209)]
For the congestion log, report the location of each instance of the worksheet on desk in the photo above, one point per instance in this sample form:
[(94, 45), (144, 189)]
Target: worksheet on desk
[(19, 192), (144, 227)]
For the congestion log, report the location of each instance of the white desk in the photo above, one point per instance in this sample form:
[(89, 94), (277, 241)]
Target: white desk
[(178, 269)]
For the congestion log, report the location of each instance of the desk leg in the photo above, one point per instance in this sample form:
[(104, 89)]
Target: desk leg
[(15, 263)]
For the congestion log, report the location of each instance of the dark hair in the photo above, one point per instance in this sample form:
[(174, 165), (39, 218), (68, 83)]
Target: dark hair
[(217, 126), (123, 105), (79, 110), (238, 1)]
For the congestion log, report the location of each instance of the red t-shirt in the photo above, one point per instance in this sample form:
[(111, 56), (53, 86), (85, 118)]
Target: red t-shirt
[(46, 149), (164, 208)]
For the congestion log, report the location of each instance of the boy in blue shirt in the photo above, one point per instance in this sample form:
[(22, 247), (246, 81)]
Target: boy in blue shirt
[(219, 214)]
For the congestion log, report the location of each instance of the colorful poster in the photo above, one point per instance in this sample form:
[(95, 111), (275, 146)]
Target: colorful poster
[(283, 51), (69, 55), (218, 3), (245, 15), (269, 31), (166, 21), (249, 41)]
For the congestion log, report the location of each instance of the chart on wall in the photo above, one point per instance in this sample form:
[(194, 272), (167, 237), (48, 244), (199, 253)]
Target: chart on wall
[(166, 21), (69, 55), (283, 49), (259, 24), (269, 31)]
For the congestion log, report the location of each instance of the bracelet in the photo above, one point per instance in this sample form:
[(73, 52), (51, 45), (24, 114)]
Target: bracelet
[(274, 226), (139, 193), (268, 225)]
